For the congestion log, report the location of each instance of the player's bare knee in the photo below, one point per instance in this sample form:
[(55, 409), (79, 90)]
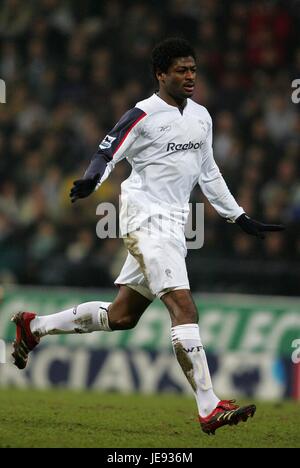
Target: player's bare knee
[(182, 317), (181, 307), (183, 314), (122, 323)]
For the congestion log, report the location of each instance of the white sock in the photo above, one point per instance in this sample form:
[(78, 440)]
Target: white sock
[(192, 359), (84, 318)]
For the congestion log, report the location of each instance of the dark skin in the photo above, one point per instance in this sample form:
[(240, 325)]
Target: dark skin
[(175, 86), (128, 307)]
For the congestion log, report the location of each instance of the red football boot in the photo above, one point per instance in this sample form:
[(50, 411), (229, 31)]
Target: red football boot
[(226, 413), (25, 340)]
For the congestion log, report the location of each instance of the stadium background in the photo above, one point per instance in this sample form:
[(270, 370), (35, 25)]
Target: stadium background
[(71, 70)]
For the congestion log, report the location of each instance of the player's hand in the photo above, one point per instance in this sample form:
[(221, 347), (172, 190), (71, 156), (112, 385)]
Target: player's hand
[(83, 188), (256, 228)]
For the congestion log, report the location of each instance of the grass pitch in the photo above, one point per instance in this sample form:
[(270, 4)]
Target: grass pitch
[(60, 418)]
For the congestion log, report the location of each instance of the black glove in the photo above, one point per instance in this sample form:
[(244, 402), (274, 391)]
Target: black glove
[(83, 188), (255, 228)]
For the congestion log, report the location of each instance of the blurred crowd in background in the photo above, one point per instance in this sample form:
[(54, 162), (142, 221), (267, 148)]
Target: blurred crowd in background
[(72, 68)]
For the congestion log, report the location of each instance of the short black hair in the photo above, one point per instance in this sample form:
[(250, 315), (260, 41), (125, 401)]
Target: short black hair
[(169, 49)]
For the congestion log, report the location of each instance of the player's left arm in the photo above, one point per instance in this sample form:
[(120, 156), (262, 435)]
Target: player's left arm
[(218, 194)]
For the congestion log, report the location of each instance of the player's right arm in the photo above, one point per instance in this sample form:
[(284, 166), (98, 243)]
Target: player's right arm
[(112, 149)]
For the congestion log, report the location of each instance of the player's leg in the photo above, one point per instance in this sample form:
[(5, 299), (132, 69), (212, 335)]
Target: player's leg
[(163, 261), (188, 348), (123, 313)]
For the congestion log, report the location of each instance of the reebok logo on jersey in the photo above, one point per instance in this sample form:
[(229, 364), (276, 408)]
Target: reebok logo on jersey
[(107, 142), (183, 147), (165, 128)]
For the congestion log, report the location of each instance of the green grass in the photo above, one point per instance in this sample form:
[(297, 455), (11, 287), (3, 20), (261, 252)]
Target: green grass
[(59, 418)]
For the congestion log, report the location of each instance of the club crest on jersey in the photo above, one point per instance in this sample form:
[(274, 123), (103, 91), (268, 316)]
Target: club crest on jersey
[(203, 125), (107, 142)]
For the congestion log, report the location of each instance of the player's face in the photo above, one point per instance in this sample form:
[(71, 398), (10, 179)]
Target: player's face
[(179, 81)]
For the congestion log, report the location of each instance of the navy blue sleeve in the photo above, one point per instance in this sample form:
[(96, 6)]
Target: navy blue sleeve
[(113, 143)]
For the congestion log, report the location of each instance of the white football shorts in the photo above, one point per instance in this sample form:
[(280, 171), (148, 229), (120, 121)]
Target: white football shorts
[(155, 263)]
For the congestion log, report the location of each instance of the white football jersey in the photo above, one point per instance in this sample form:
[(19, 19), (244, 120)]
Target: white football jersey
[(169, 152)]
